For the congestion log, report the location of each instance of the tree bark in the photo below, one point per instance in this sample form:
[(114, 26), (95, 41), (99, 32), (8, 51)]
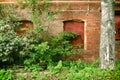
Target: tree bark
[(107, 37)]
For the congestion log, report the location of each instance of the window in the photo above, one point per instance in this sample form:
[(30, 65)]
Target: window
[(117, 25), (75, 27)]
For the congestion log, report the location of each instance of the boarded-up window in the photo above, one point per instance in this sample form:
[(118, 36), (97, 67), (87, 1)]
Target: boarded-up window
[(75, 27)]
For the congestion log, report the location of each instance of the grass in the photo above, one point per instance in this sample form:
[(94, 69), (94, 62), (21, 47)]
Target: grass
[(64, 70)]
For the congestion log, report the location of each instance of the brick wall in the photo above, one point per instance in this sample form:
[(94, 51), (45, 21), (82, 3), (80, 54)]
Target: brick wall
[(89, 12)]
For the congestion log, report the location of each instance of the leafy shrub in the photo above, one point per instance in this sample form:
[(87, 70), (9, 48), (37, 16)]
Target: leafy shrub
[(78, 70), (45, 53), (10, 44), (115, 73), (56, 69), (35, 47), (60, 45), (92, 72), (14, 48), (33, 67), (6, 74), (38, 53)]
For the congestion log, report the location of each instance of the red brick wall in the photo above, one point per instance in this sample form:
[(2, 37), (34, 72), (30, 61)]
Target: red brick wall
[(77, 10), (91, 15)]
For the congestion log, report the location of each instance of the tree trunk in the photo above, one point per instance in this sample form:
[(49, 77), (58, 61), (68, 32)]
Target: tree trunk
[(107, 37)]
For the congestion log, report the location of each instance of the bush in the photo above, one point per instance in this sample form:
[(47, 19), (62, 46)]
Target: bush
[(60, 45), (10, 44), (115, 73), (15, 48), (50, 51), (38, 53), (34, 46), (6, 74)]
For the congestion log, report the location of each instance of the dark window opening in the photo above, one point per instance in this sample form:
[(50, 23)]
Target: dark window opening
[(117, 12), (117, 25), (24, 26)]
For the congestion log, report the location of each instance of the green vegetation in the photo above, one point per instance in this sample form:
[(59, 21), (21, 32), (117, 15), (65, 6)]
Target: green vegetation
[(37, 56), (10, 44), (6, 74), (63, 70), (31, 47)]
